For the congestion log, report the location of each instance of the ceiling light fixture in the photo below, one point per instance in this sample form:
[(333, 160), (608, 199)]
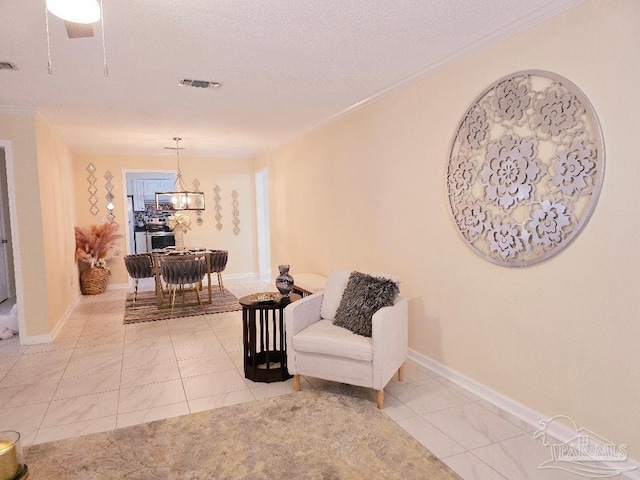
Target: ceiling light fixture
[(76, 11), (78, 16), (181, 198)]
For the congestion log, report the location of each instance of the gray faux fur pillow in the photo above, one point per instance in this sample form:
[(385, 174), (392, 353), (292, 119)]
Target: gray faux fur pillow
[(363, 296)]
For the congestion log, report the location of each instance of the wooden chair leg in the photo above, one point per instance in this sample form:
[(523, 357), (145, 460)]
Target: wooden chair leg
[(296, 382), (380, 399), (401, 373), (198, 286), (135, 292), (220, 283), (172, 294)]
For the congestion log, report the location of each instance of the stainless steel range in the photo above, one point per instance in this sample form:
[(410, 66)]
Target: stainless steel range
[(159, 235)]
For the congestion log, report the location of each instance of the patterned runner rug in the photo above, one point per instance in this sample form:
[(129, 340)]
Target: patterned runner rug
[(307, 435), (146, 308)]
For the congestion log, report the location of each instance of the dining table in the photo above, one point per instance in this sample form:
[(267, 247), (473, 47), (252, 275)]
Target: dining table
[(176, 255)]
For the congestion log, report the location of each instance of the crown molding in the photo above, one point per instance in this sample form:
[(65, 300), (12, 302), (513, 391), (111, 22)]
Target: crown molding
[(520, 24), (17, 110)]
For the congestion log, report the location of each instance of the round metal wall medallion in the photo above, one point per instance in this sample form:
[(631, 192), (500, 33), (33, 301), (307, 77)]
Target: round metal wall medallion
[(525, 168)]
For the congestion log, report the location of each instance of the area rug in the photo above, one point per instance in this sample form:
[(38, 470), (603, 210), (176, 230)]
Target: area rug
[(146, 307), (307, 435)]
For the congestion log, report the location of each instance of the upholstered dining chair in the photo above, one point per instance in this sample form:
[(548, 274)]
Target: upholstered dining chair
[(218, 260), (181, 273), (139, 266), (344, 334)]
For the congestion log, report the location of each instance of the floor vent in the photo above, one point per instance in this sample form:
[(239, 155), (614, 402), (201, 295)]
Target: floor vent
[(185, 82), (7, 66)]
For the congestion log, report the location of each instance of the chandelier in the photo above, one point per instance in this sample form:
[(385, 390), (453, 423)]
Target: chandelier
[(181, 198)]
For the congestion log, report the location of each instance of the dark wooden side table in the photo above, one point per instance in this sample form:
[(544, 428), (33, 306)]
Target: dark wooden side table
[(263, 337)]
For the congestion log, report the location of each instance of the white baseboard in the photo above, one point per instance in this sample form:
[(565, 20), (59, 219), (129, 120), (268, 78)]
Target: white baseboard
[(233, 276), (65, 316), (557, 430)]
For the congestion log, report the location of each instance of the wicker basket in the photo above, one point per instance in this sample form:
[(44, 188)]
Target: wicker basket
[(94, 281)]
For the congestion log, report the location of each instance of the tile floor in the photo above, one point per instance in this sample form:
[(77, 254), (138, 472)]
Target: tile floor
[(100, 375)]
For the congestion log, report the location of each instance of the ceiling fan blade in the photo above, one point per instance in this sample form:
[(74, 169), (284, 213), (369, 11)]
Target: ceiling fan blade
[(79, 30)]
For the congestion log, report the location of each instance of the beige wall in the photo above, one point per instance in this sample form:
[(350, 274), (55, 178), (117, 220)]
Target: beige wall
[(229, 174), (367, 192), (27, 228), (58, 218)]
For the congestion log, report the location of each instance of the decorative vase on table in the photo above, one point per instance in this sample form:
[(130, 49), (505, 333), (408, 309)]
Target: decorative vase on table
[(178, 233), (284, 281)]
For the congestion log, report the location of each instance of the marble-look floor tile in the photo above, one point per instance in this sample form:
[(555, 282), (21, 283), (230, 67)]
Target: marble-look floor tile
[(237, 358), (78, 409), (427, 395), (411, 374), (267, 390), (470, 467), (24, 418), (521, 424), (93, 365), (395, 409), (148, 356), (150, 396), (11, 347), (199, 349), (185, 338), (48, 359), (20, 395), (7, 363), (152, 341), (519, 458), (429, 436), (27, 437), (60, 343), (77, 429), (233, 344), (88, 384), (462, 391), (91, 340), (151, 414), (188, 324), (219, 321), (103, 329), (146, 329), (222, 400), (234, 331), (471, 425), (191, 367), (212, 384), (93, 351), (28, 376), (157, 372)]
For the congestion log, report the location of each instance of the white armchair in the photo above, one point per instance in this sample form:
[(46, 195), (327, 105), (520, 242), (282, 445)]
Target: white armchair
[(318, 348)]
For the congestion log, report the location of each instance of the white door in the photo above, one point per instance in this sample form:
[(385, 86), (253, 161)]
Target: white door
[(5, 230), (262, 214)]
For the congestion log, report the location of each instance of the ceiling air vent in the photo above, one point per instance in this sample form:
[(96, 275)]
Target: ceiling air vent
[(185, 82), (7, 66)]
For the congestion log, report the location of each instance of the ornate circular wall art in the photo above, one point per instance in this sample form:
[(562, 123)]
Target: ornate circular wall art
[(525, 169)]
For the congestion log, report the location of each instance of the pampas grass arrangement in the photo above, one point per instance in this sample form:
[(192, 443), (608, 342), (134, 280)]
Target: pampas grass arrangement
[(98, 245)]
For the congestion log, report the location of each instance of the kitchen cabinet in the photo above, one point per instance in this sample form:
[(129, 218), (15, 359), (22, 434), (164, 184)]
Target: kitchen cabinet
[(141, 242), (150, 188), (145, 191), (138, 195)]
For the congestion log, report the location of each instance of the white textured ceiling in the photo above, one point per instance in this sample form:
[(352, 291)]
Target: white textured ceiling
[(286, 66)]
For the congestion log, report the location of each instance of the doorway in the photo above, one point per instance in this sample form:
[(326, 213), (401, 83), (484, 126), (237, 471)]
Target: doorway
[(8, 317), (262, 217)]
